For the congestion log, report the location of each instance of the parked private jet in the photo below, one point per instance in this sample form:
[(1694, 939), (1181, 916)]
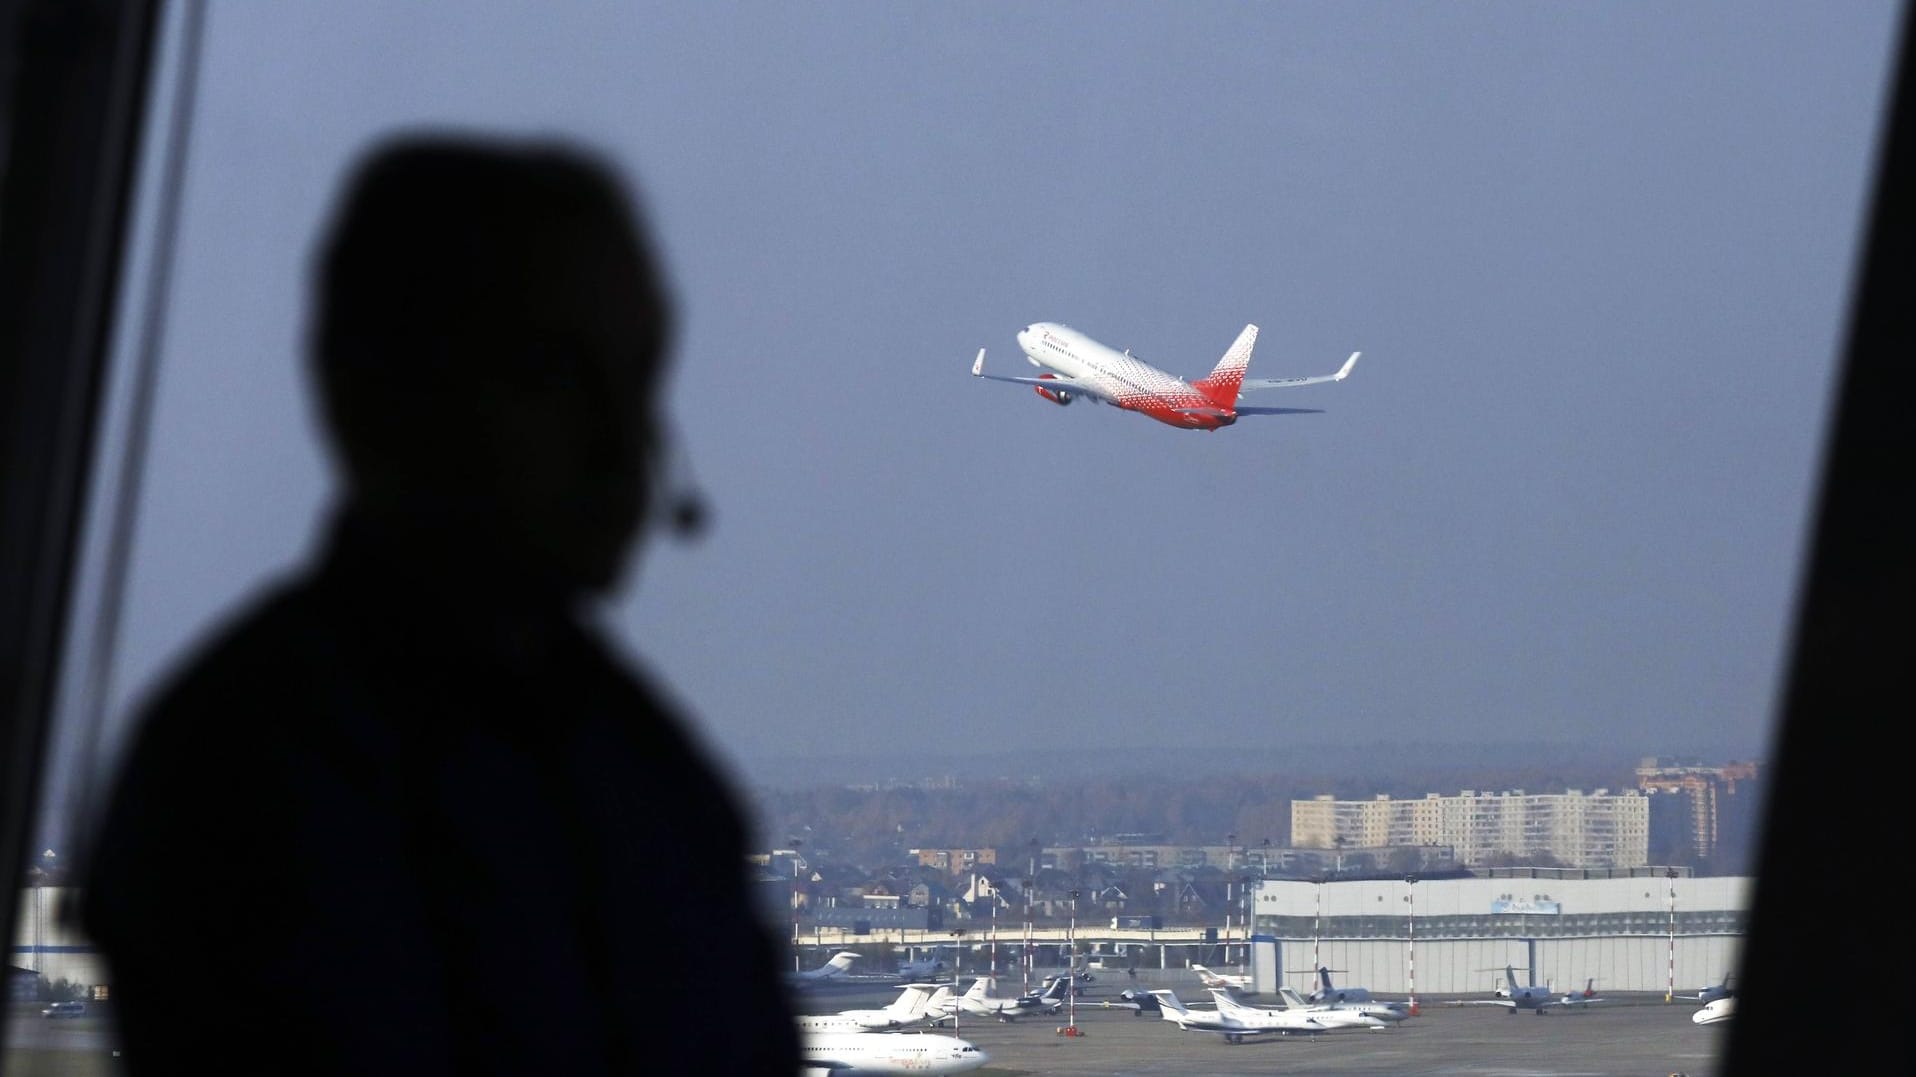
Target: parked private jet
[(1513, 996), (1078, 367), (1331, 1017), (840, 961), (838, 1053), (1329, 992), (1232, 980), (1388, 1012), (1711, 993), (1715, 1012), (1235, 1027), (923, 969), (907, 1009)]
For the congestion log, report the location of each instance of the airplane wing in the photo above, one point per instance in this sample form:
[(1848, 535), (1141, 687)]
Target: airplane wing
[(1055, 382), (1504, 1002), (1252, 384)]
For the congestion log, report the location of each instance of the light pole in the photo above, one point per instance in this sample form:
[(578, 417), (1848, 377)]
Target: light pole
[(1410, 951), (1244, 917), (1071, 971), (1031, 874), (795, 959), (1317, 929), (1230, 858), (1669, 991), (957, 963)]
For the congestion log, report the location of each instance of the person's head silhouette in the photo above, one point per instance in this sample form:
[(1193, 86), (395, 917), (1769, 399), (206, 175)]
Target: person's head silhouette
[(489, 345)]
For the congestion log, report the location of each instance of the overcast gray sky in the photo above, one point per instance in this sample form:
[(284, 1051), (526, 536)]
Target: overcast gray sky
[(1596, 257)]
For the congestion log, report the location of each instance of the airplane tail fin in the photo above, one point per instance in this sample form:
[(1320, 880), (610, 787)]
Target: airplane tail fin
[(1168, 1002), (1221, 385)]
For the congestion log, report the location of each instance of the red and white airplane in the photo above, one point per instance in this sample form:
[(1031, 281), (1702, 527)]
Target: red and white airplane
[(1078, 366)]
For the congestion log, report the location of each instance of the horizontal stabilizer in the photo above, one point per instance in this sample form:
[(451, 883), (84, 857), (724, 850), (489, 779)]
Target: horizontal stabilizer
[(1343, 372), (1280, 411)]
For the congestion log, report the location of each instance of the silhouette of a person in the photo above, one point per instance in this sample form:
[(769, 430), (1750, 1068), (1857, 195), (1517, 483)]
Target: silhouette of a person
[(408, 813)]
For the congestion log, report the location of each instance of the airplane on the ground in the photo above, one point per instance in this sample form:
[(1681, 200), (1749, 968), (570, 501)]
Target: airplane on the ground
[(1235, 1028), (1327, 992), (1329, 1016), (1053, 996), (1137, 1001), (1077, 367), (1711, 993), (1715, 1012), (1514, 996), (980, 1002), (840, 961), (925, 969), (908, 1008), (1390, 1012), (838, 1053), (1235, 981)]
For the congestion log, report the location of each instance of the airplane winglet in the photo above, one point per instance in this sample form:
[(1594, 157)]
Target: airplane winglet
[(1341, 374), (978, 364)]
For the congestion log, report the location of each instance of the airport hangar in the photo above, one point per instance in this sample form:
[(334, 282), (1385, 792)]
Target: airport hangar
[(1647, 931)]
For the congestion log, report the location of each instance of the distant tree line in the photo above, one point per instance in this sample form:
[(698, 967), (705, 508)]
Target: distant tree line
[(875, 826)]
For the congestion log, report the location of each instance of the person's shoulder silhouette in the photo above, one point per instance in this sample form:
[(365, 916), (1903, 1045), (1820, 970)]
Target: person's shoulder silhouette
[(407, 813)]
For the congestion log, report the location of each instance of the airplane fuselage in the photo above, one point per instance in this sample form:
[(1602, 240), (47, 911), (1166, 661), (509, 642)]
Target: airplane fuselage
[(880, 1052), (1125, 380)]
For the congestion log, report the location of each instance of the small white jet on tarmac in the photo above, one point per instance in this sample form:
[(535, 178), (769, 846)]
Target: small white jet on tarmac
[(980, 1001), (907, 1009), (1330, 1017), (1078, 367), (1235, 1027), (1513, 996), (1715, 1012), (923, 969), (874, 1052), (1329, 992), (1234, 981), (1387, 1012), (1711, 993), (841, 961)]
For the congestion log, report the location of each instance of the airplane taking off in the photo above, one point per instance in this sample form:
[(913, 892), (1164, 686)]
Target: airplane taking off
[(1079, 367), (840, 961), (866, 1052), (910, 1007)]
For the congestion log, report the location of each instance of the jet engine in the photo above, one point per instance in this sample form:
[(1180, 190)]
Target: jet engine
[(1059, 397)]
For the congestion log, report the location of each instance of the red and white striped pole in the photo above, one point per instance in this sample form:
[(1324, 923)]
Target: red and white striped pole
[(1410, 951), (1669, 992)]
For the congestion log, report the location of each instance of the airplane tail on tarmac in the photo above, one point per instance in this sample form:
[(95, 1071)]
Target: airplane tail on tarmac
[(1221, 385), (1169, 1007)]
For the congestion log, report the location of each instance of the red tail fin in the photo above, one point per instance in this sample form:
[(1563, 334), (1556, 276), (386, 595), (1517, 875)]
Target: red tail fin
[(1222, 383)]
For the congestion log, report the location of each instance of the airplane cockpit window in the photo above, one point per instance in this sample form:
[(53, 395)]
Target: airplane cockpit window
[(1467, 660)]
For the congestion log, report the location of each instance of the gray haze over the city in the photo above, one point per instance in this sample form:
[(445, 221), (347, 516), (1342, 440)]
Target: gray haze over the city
[(1596, 257)]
